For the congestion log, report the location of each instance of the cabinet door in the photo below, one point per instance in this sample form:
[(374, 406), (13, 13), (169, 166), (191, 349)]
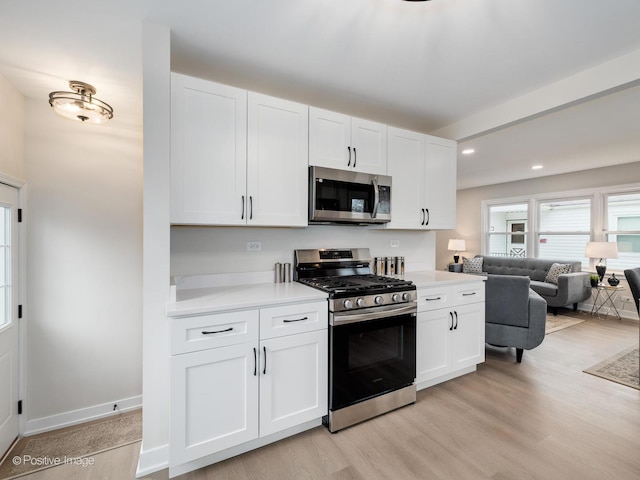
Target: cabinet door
[(406, 163), (293, 381), (329, 139), (468, 336), (214, 401), (433, 345), (440, 183), (369, 146), (277, 162), (208, 152)]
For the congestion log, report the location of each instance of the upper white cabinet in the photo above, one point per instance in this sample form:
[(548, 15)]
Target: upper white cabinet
[(237, 158), (440, 183), (423, 169), (277, 161), (208, 152), (347, 143)]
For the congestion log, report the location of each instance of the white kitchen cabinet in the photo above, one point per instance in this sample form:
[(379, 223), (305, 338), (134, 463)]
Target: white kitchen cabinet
[(423, 168), (347, 143), (277, 162), (214, 401), (449, 332), (237, 157), (440, 183), (208, 152), (293, 380), (243, 375)]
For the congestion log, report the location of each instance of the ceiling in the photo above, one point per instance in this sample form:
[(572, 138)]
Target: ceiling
[(525, 82)]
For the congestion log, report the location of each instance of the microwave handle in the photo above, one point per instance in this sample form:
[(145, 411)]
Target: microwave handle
[(376, 197)]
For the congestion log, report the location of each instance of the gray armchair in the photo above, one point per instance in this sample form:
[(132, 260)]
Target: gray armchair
[(515, 315)]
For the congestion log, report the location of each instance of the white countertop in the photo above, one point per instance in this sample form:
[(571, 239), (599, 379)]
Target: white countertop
[(217, 299), (430, 278), (197, 301)]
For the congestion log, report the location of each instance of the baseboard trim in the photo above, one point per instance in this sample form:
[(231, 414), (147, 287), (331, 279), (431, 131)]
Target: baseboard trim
[(152, 460), (74, 417)]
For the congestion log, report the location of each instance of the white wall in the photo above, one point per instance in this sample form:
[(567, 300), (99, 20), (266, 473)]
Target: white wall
[(469, 214), (11, 131), (199, 250), (84, 221)]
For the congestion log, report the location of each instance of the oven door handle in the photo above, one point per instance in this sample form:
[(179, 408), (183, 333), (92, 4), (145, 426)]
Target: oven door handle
[(376, 313)]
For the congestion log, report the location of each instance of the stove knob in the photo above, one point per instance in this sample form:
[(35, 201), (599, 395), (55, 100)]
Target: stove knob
[(360, 302), (395, 297), (378, 300), (406, 297), (347, 304)]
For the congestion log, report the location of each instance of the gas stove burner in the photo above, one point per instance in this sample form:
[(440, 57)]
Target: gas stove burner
[(355, 283)]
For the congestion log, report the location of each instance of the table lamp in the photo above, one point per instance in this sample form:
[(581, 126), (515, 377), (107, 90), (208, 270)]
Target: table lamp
[(601, 250), (456, 245)]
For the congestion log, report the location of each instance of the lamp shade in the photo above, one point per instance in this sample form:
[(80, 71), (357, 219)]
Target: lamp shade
[(601, 250), (456, 245)]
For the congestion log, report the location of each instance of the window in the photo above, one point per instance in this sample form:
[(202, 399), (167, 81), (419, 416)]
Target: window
[(623, 227), (508, 230), (564, 229), (558, 226)]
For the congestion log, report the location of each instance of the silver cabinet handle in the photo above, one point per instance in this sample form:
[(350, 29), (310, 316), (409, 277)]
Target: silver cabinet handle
[(296, 320), (218, 331)]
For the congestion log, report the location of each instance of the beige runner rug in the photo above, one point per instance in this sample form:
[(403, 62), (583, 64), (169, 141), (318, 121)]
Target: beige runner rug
[(621, 368), (560, 322), (74, 444)]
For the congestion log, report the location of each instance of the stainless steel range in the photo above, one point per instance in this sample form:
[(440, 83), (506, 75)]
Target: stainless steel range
[(372, 334)]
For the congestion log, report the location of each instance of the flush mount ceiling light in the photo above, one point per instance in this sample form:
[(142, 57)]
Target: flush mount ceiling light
[(80, 105)]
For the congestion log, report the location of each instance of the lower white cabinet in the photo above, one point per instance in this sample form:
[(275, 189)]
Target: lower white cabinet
[(449, 332), (228, 395)]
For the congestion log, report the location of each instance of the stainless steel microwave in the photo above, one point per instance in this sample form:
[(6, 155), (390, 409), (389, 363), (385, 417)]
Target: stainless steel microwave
[(342, 196)]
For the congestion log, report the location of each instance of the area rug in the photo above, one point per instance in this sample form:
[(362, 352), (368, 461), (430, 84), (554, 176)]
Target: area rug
[(560, 322), (74, 445), (621, 368)]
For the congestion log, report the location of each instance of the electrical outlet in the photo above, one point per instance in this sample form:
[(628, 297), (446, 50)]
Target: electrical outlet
[(254, 246), (395, 243)]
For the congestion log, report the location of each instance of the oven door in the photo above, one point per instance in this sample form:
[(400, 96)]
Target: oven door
[(344, 196), (371, 357)]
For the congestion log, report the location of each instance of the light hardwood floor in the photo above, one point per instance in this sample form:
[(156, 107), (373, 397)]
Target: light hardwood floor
[(541, 419)]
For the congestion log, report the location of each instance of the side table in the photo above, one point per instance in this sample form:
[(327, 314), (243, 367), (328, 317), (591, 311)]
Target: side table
[(606, 295)]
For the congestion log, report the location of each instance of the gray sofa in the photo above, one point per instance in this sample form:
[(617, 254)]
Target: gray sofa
[(515, 315), (571, 289)]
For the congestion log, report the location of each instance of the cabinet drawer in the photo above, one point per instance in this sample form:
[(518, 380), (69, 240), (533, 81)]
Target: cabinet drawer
[(433, 297), (290, 319), (211, 331), (471, 293)]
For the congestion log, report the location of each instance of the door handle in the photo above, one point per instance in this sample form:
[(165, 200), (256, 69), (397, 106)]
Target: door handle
[(296, 320), (217, 331), (428, 216), (349, 162), (250, 207), (264, 370), (423, 217), (255, 362), (242, 217), (376, 195), (451, 315), (355, 157), (456, 327)]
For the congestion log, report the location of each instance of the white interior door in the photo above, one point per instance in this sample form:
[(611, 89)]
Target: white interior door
[(8, 316)]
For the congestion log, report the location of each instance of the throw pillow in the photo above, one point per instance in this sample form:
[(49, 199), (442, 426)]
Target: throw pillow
[(472, 265), (556, 270)]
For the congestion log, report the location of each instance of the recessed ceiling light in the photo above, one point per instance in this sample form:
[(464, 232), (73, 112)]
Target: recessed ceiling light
[(468, 151), (536, 167)]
